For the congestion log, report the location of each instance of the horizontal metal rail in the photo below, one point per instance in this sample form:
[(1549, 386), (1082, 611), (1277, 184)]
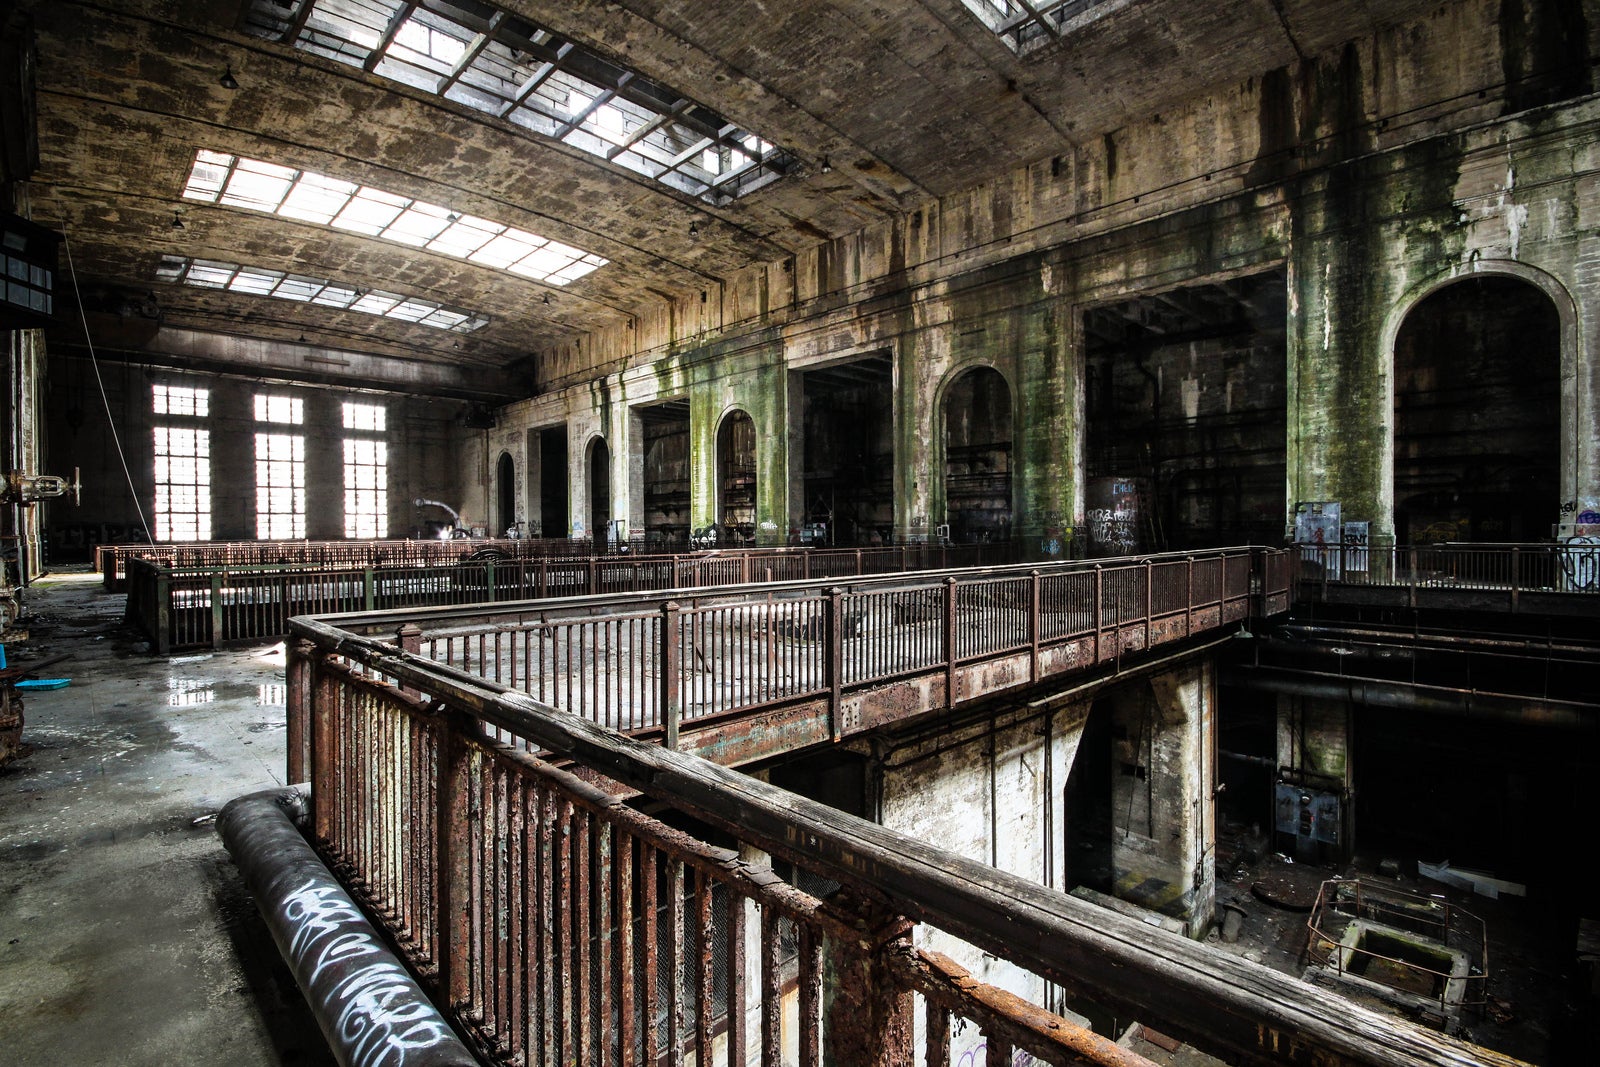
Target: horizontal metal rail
[(864, 651), (1420, 571), (513, 886), (753, 564), (180, 607)]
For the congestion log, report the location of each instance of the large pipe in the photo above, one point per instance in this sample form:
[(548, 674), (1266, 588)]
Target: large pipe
[(371, 1010), (1437, 699)]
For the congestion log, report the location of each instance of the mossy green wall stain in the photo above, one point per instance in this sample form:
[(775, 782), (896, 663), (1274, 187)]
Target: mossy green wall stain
[(1365, 229)]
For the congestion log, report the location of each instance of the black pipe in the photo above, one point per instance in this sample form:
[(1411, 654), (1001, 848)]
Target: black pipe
[(1437, 699), (369, 1006)]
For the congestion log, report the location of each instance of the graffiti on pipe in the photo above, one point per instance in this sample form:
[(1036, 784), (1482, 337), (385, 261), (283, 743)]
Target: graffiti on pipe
[(1580, 563), (376, 1010)]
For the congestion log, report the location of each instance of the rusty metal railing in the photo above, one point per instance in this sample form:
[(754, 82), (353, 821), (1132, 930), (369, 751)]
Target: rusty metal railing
[(563, 926), (560, 924), (656, 663), (1568, 566), (181, 607), (1424, 946)]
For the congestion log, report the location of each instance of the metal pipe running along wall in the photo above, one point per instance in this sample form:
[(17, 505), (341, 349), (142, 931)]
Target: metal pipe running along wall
[(371, 1010)]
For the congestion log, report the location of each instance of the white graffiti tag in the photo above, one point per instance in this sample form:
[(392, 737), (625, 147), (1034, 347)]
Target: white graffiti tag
[(380, 1014)]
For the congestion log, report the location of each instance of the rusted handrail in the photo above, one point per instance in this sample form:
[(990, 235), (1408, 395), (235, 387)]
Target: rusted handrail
[(1569, 566), (653, 663), (214, 604), (562, 925), (406, 786)]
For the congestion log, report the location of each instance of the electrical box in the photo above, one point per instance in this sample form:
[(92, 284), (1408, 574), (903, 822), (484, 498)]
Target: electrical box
[(1308, 816)]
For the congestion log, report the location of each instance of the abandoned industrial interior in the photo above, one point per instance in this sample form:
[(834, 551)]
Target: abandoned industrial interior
[(950, 531)]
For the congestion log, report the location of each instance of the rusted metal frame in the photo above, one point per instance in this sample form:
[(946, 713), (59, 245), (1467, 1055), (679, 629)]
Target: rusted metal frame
[(623, 846), (772, 990), (568, 1000), (810, 1024), (738, 1037), (675, 1043), (833, 661), (705, 967), (582, 935), (671, 706), (1048, 933), (948, 989)]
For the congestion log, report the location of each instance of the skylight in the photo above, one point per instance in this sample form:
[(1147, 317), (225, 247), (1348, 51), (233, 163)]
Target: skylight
[(1028, 24), (209, 274), (502, 64), (236, 181)]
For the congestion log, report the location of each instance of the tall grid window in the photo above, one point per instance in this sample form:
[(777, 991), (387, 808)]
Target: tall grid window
[(366, 472), (183, 483), (280, 470), (280, 486), (1028, 24)]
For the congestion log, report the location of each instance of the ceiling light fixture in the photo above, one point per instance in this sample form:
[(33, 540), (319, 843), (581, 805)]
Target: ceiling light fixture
[(177, 222), (827, 168), (694, 229), (547, 298), (228, 81), (302, 338)]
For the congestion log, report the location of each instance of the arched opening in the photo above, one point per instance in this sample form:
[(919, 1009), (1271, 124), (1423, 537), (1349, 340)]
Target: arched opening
[(977, 456), (505, 495), (847, 476), (1477, 414), (736, 478), (599, 493), (1185, 411)]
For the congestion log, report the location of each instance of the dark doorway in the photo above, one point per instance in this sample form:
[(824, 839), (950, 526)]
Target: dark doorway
[(977, 456), (1185, 405), (849, 452), (1477, 424), (664, 442), (505, 495), (599, 493), (553, 506), (736, 479), (1088, 821)]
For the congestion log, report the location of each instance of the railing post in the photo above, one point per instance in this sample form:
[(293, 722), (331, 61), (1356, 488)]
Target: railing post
[(544, 577), (1033, 625), (744, 568), (298, 708), (1411, 555), (408, 638), (369, 589), (1149, 593), (326, 774), (456, 818), (216, 608), (489, 577), (671, 657), (161, 609), (1099, 607), (949, 642), (1188, 607), (869, 1018), (833, 664), (1516, 574)]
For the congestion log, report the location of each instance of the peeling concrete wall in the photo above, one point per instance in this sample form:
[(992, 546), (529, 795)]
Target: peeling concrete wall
[(995, 790), (1461, 142)]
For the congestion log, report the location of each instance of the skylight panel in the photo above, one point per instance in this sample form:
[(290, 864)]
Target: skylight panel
[(370, 212), (317, 198), (209, 274), (1028, 24), (484, 58)]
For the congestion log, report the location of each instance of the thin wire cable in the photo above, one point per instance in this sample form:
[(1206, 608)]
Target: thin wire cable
[(94, 361)]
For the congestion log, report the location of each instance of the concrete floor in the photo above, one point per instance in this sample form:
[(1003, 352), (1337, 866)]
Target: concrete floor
[(126, 936)]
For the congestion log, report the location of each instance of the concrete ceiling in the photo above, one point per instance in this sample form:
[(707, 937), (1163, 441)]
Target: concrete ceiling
[(908, 100)]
